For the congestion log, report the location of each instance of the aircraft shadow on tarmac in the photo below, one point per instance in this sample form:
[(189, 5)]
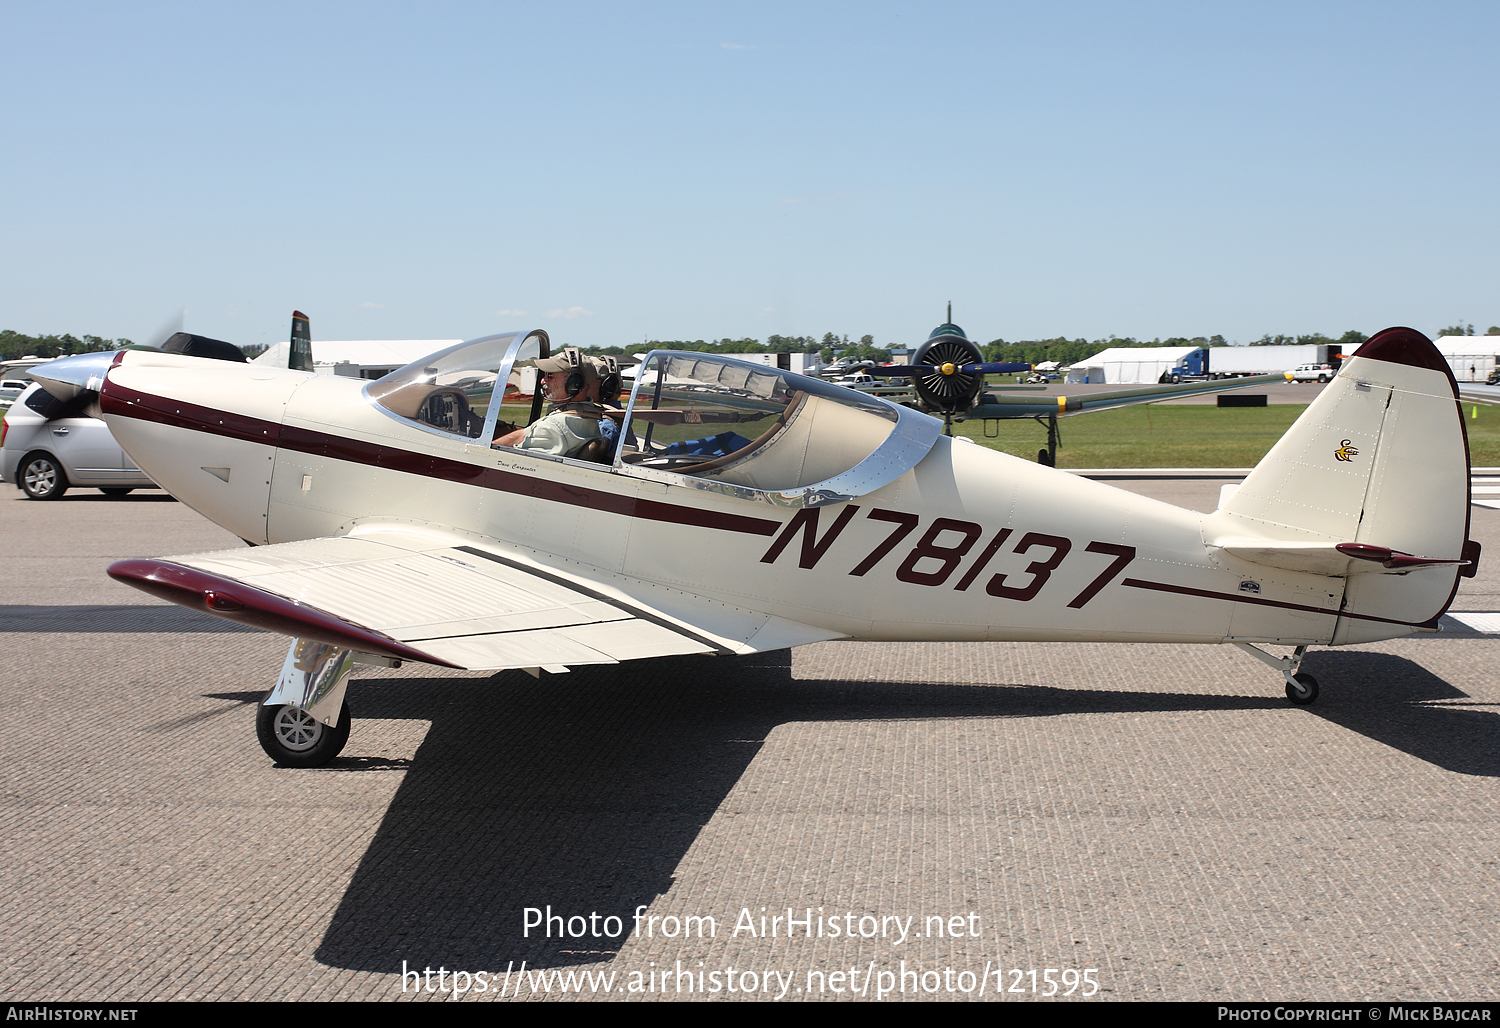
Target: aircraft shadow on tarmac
[(1397, 702), (585, 791)]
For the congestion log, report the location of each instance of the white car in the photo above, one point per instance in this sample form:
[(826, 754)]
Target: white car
[(1314, 373), (10, 389), (47, 447)]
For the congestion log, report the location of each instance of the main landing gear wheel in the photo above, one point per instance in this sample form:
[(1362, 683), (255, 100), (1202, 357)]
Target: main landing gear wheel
[(1302, 689), (42, 478), (294, 738)]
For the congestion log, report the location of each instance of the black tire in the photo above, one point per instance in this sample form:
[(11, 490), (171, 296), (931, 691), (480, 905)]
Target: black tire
[(293, 739), (1042, 457), (41, 477), (1322, 380), (1306, 694), (114, 492), (1176, 379)]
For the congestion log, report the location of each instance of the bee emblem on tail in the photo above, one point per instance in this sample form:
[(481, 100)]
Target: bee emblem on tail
[(1345, 452)]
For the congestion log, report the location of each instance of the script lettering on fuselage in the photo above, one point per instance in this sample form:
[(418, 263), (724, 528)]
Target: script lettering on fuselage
[(942, 549)]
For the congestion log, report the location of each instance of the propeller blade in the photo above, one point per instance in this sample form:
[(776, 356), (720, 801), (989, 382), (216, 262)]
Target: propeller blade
[(167, 330), (905, 370)]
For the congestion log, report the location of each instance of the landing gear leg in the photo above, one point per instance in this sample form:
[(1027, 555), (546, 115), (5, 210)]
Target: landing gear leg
[(1054, 440), (1301, 689), (304, 722)]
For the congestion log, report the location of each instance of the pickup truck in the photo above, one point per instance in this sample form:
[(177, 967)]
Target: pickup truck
[(1314, 373)]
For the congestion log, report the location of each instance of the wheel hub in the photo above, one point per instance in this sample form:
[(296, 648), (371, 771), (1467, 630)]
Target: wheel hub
[(297, 730), (41, 475)]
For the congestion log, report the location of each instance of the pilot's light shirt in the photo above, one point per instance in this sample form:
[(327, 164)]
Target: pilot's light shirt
[(560, 433)]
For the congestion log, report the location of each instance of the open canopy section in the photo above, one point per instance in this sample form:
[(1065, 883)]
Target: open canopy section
[(758, 432), (461, 390)]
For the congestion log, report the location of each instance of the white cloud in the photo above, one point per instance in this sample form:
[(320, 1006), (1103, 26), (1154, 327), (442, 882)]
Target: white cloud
[(508, 313), (372, 306), (736, 46), (569, 313)]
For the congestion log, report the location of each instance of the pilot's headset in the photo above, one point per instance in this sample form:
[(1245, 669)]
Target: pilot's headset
[(610, 383), (580, 371)]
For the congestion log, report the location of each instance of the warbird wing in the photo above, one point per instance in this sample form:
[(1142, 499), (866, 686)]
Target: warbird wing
[(1001, 404)]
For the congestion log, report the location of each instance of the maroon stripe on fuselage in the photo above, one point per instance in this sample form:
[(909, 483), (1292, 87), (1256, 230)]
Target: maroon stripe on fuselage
[(1136, 583), (130, 403)]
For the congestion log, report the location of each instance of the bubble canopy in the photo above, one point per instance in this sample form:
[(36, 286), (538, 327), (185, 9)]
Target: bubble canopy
[(458, 391), (760, 433), (696, 420)]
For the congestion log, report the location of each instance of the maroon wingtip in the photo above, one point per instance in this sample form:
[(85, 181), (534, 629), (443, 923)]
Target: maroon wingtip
[(1406, 346), (258, 608)]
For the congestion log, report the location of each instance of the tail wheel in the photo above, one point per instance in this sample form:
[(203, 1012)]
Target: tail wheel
[(1302, 689)]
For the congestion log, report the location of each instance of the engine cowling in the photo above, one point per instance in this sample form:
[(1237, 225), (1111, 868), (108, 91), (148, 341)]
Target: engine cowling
[(946, 389)]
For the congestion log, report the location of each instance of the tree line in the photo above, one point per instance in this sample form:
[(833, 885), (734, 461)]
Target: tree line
[(14, 345), (830, 347)]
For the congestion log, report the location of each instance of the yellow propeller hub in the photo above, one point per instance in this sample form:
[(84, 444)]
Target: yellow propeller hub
[(949, 368)]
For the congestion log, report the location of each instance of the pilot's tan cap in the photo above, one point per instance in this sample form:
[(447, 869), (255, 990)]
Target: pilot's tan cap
[(570, 359)]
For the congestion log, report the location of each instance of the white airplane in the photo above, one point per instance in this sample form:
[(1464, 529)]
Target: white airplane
[(752, 509)]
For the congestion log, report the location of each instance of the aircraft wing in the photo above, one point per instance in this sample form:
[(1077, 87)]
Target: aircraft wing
[(409, 594), (1023, 405), (1474, 392)]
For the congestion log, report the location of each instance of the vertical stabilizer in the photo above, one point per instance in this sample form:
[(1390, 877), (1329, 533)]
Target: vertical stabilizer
[(296, 353), (1381, 457), (301, 355)]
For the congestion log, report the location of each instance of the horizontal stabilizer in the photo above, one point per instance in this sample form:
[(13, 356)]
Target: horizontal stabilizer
[(1328, 558)]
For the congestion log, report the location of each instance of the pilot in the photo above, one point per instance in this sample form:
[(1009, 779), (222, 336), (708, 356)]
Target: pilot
[(606, 392), (574, 420)]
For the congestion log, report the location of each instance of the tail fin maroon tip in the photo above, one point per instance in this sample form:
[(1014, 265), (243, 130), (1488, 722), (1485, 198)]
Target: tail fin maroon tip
[(1406, 346)]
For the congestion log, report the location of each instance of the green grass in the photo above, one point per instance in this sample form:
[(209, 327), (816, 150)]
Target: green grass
[(1197, 436)]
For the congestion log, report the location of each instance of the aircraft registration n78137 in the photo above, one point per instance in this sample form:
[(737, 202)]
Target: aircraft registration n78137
[(746, 509)]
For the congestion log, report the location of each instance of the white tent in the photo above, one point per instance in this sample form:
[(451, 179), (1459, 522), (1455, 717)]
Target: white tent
[(1472, 358), (1132, 364)]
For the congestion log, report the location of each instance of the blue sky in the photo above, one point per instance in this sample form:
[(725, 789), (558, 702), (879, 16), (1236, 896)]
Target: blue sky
[(613, 172)]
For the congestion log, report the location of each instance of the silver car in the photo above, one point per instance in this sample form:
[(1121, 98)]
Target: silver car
[(10, 388), (48, 446)]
